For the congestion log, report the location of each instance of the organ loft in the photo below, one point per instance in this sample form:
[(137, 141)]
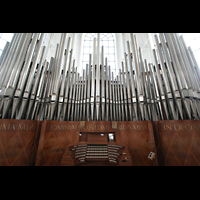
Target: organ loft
[(124, 99)]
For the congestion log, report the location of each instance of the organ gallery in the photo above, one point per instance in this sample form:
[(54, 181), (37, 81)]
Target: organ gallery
[(142, 113)]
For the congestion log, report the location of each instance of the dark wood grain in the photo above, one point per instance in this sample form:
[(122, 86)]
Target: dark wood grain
[(18, 142), (29, 142), (178, 142), (97, 138)]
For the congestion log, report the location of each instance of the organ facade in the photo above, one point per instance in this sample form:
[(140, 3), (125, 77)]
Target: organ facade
[(51, 110)]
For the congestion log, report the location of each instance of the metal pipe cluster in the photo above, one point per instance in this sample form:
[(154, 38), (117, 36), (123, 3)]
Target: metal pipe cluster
[(32, 88)]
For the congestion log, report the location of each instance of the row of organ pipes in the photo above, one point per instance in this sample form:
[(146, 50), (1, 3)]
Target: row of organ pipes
[(32, 88)]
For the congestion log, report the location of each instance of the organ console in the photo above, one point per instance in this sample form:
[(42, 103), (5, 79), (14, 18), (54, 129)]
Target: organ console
[(96, 152), (95, 149)]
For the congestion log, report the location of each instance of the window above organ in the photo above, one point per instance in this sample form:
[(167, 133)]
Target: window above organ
[(106, 40)]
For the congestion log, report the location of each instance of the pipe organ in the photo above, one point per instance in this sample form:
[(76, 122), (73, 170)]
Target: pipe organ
[(32, 88)]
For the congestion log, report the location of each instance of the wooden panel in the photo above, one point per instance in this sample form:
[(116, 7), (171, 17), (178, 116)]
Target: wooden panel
[(83, 137), (55, 137), (136, 136), (18, 142), (59, 134), (97, 138), (175, 142), (179, 142)]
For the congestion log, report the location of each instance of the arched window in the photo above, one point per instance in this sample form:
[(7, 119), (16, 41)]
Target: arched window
[(106, 40)]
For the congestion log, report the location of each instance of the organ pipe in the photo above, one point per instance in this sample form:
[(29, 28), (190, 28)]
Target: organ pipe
[(35, 89)]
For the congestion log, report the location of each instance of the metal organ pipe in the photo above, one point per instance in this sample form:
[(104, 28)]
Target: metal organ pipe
[(32, 88)]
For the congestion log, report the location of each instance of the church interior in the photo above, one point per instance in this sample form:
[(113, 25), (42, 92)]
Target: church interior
[(99, 99)]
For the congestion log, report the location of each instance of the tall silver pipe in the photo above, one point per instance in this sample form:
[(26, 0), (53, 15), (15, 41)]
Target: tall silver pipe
[(84, 95), (119, 100), (114, 99), (46, 98), (134, 101), (81, 97), (146, 92), (130, 111), (93, 81), (125, 94), (98, 77), (70, 93), (160, 85), (40, 107), (102, 86), (110, 96), (156, 91), (38, 95), (74, 104), (139, 85), (146, 114), (88, 117), (121, 95), (151, 104), (61, 95), (78, 98), (49, 91), (107, 91)]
